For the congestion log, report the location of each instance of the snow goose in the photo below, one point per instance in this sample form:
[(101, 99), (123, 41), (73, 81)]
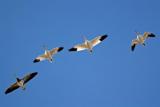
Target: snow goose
[(21, 82), (88, 44), (141, 39), (48, 54)]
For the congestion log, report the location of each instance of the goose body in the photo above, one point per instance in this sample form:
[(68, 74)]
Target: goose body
[(88, 45), (21, 82), (48, 55), (141, 39)]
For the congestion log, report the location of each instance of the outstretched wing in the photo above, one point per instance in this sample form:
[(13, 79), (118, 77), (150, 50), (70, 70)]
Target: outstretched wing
[(12, 88), (29, 77), (79, 47), (134, 43), (56, 50), (40, 58), (98, 40), (148, 34)]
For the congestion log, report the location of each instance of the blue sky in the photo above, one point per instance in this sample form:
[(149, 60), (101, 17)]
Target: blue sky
[(112, 76)]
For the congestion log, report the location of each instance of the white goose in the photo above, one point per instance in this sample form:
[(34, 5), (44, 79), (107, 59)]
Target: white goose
[(48, 54), (141, 39), (88, 44), (21, 82)]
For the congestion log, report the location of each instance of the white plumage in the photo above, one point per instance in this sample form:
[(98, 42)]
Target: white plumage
[(88, 44), (48, 55), (141, 39)]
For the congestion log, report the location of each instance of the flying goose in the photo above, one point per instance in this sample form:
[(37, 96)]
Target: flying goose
[(88, 44), (141, 39), (48, 55), (21, 82)]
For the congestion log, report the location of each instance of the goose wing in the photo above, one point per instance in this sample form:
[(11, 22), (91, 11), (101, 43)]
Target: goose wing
[(78, 47), (40, 58), (12, 88), (98, 40), (148, 34), (56, 50), (134, 43), (29, 77)]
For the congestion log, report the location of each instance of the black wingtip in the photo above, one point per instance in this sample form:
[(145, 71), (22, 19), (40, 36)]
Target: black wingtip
[(132, 47), (73, 49), (103, 37), (36, 60), (152, 35), (60, 49), (6, 92), (34, 74)]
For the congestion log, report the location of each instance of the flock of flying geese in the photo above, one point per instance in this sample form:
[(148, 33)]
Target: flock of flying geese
[(87, 45)]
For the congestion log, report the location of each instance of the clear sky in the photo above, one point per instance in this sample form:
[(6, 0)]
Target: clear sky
[(112, 76)]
